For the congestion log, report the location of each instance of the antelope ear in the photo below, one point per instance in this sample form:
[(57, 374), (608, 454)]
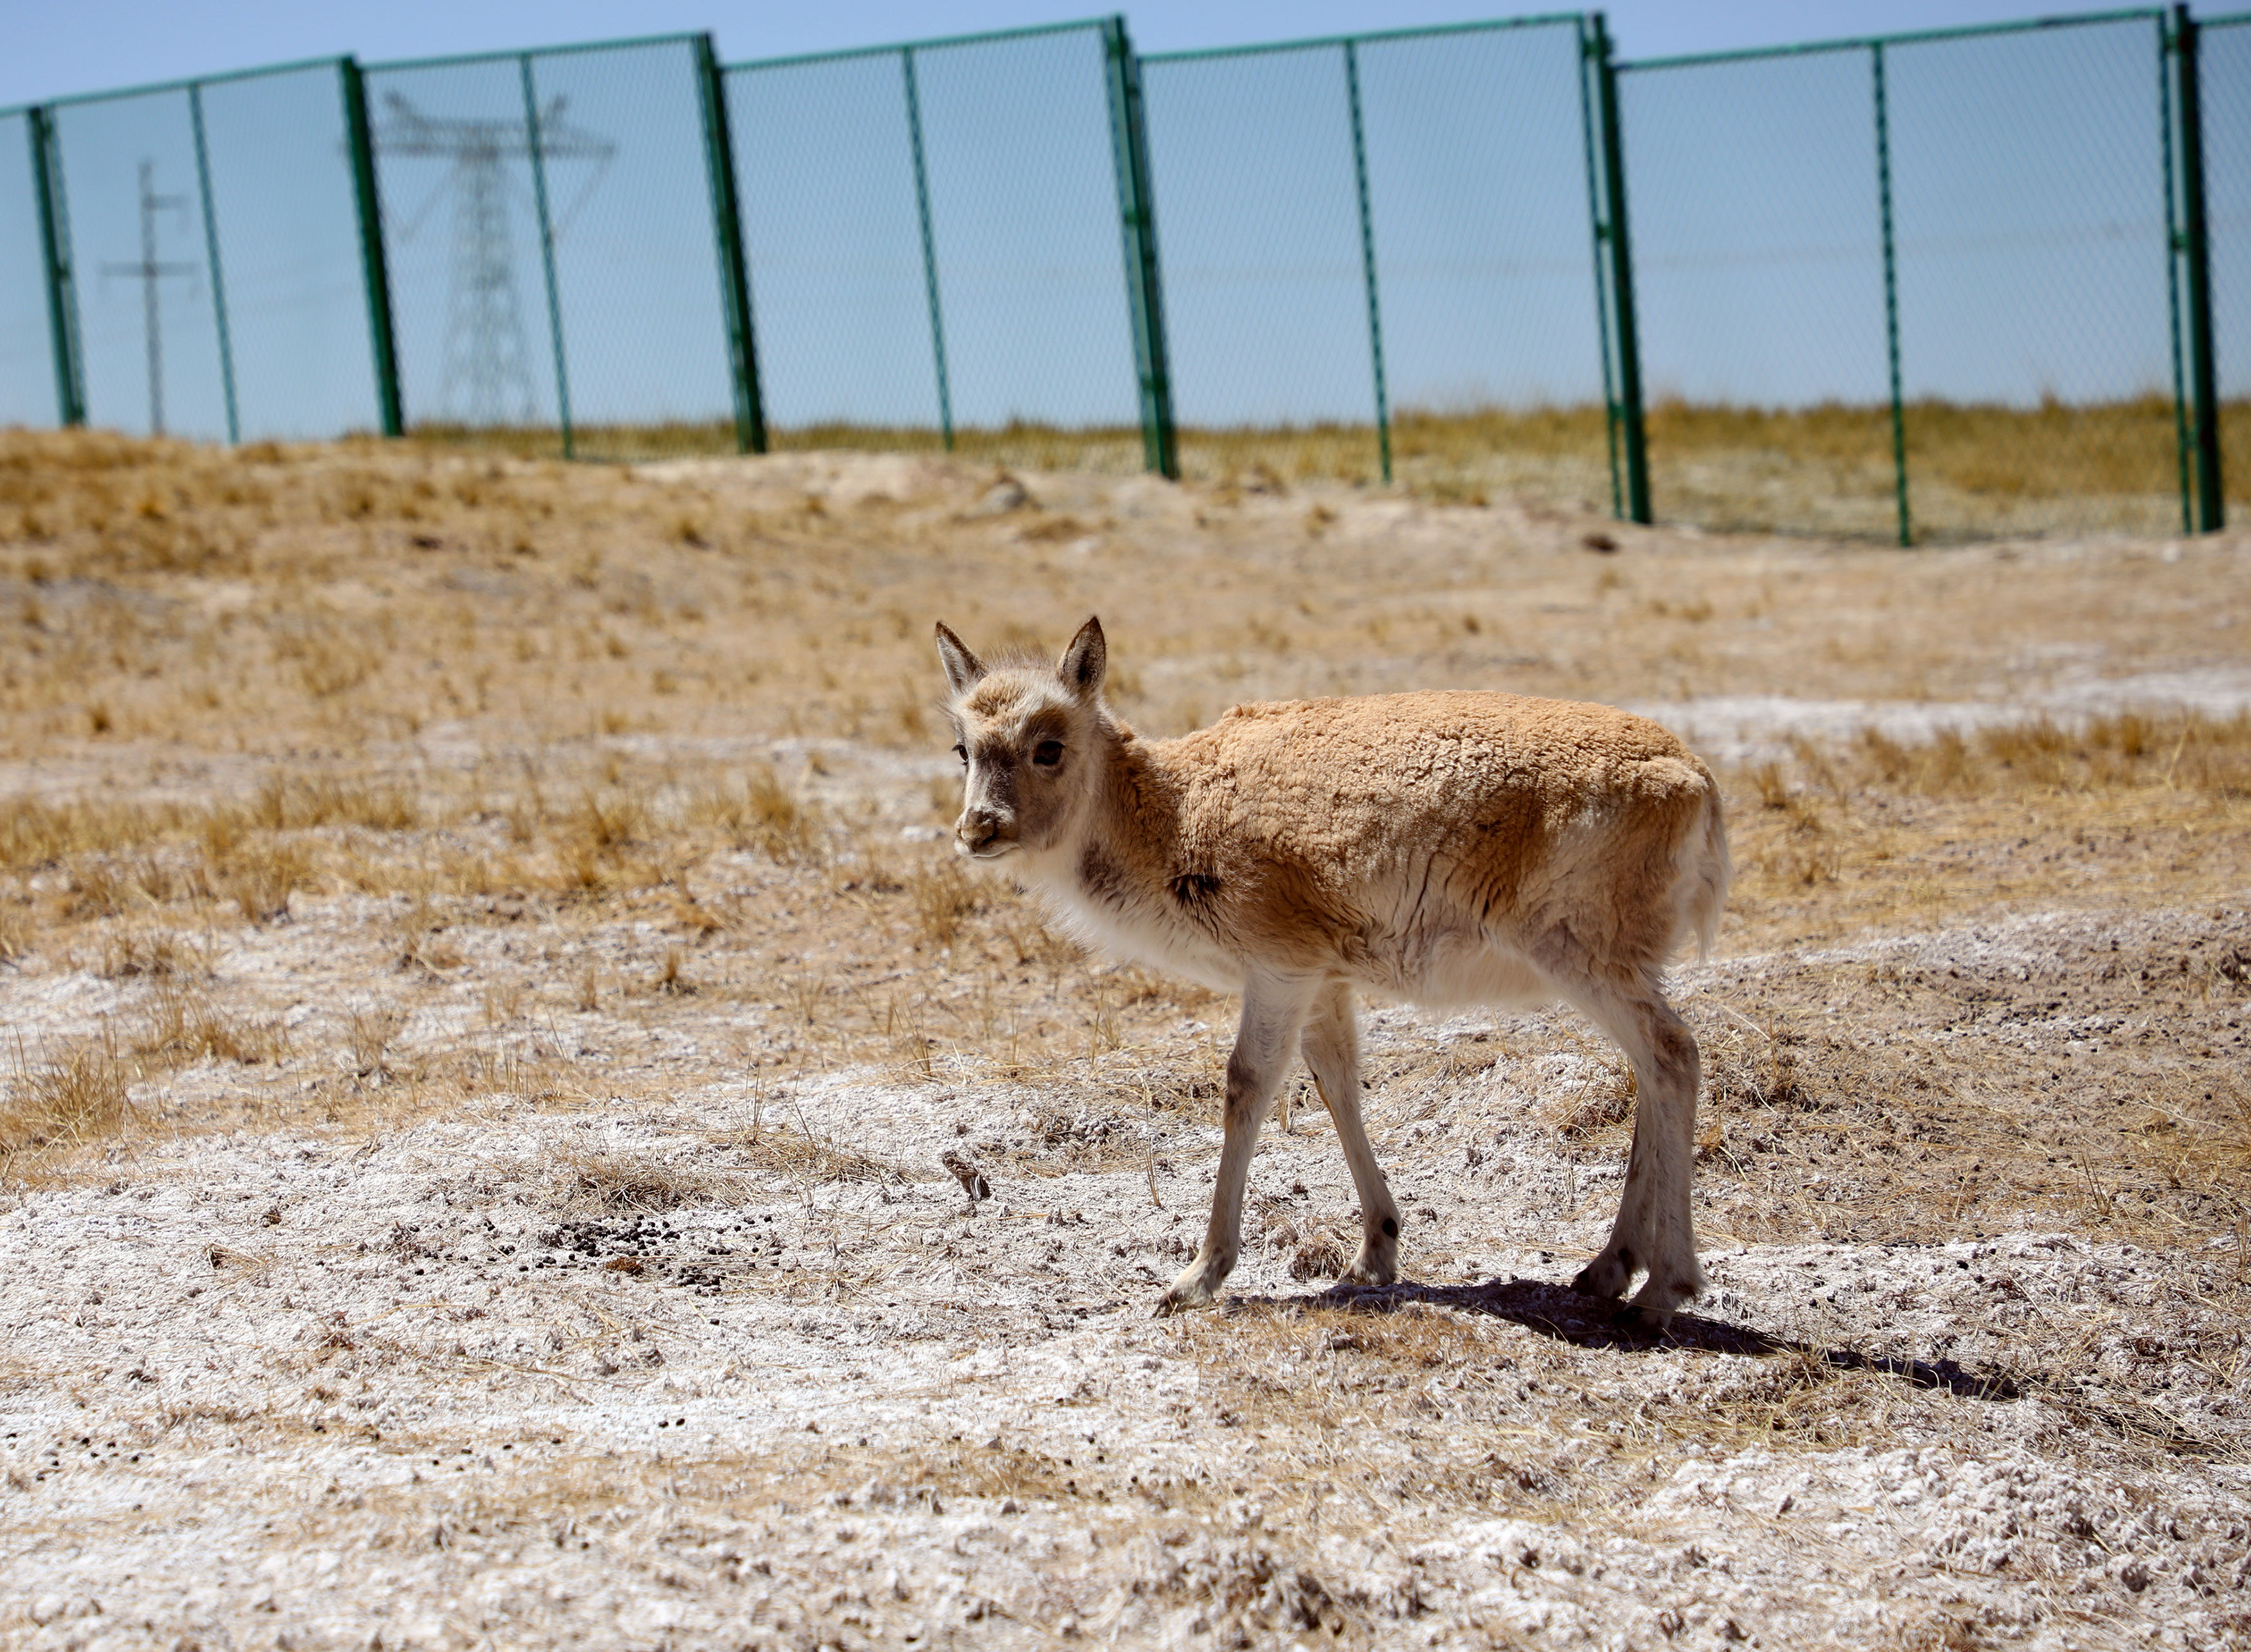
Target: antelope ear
[(964, 670), (1085, 662)]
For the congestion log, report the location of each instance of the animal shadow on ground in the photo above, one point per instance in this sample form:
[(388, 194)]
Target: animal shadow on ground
[(1591, 1322)]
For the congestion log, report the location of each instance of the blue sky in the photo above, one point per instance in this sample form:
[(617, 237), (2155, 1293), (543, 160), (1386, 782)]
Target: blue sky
[(96, 44)]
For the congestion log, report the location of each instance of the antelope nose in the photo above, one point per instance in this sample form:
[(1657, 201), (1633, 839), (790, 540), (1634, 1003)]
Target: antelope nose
[(973, 831)]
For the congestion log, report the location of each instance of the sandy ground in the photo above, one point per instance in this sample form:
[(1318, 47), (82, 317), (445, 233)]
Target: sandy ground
[(525, 1262)]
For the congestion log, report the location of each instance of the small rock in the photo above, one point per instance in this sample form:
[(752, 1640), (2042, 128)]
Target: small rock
[(48, 1607), (1600, 541), (624, 1265), (1003, 496)]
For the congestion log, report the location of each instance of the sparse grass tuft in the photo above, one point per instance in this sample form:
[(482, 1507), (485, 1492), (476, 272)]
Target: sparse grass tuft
[(761, 813), (944, 895), (287, 803), (368, 1036), (34, 833), (261, 875), (2184, 751), (186, 1026), (799, 1155), (161, 953), (76, 1097), (611, 1182)]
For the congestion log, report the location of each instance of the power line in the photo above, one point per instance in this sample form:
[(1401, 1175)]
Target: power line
[(487, 358)]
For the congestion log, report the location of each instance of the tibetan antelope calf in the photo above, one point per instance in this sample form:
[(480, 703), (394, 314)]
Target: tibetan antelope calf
[(1444, 849)]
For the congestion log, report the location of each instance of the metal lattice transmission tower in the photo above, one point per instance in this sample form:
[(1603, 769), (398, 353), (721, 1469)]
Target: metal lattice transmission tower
[(487, 379), (149, 270)]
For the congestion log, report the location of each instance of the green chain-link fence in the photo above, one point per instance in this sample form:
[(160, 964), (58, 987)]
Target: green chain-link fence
[(1933, 285), (2226, 64), (27, 384), (557, 282), (1378, 258), (195, 261), (943, 242), (1989, 281)]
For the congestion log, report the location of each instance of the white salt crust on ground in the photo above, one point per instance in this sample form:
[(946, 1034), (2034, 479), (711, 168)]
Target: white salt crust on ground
[(277, 1390)]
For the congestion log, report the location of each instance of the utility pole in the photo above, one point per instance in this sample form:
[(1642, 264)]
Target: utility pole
[(148, 272)]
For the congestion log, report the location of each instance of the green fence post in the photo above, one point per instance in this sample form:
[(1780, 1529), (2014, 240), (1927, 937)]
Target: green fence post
[(1598, 234), (734, 267), (2196, 250), (1368, 259), (382, 342), (2168, 42), (929, 247), (62, 284), (532, 146), (1891, 293), (1632, 429), (210, 253), (1137, 213)]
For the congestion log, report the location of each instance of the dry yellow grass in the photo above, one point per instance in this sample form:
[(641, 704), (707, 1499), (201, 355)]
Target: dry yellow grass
[(2186, 752), (572, 696), (1974, 470), (74, 1097)]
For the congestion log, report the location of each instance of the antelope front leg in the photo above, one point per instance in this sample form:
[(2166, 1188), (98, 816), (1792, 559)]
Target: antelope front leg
[(1272, 1013)]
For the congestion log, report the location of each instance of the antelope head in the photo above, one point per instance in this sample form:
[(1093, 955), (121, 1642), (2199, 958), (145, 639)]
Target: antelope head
[(1028, 735)]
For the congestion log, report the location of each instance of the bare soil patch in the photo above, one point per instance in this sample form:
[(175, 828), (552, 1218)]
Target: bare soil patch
[(491, 1007)]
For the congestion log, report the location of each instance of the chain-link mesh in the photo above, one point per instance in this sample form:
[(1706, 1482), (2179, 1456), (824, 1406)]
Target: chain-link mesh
[(1478, 194), (2226, 86), (285, 272), (148, 317), (468, 292), (27, 354), (934, 240), (554, 281), (1929, 287), (1758, 271), (824, 162), (1970, 235), (2031, 178), (636, 265), (1266, 308), (1377, 253)]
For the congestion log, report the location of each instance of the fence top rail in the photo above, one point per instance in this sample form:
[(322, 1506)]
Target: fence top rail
[(1920, 37), (935, 42), (2226, 20), (1537, 20), (156, 88), (678, 36)]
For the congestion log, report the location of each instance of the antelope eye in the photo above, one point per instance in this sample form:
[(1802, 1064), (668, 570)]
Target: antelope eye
[(1048, 753), (962, 752)]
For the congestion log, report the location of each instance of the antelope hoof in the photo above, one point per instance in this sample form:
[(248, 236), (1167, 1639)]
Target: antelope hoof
[(1640, 1321), (1605, 1276), (1372, 1266), (1653, 1306), (1197, 1287)]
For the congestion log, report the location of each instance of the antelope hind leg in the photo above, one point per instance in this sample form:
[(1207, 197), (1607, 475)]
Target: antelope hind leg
[(1655, 1230), (1331, 1051)]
